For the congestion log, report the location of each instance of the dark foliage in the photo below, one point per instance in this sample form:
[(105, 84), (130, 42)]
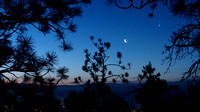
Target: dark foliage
[(155, 95), (34, 92), (22, 58), (96, 95), (153, 90), (185, 41), (183, 101), (138, 4), (27, 98), (96, 98), (131, 3), (45, 15), (97, 65), (25, 83), (177, 7)]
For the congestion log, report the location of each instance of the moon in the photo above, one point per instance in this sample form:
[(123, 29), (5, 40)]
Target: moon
[(125, 40)]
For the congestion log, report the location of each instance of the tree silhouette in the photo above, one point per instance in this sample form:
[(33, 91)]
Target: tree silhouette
[(27, 98), (152, 91), (92, 100), (96, 95), (185, 41), (131, 3), (34, 90), (22, 58), (97, 64), (31, 88), (45, 15), (138, 4)]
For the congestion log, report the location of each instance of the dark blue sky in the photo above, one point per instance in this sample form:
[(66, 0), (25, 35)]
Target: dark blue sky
[(146, 39)]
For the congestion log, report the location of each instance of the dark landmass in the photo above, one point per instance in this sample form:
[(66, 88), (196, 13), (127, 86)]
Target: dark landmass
[(124, 90)]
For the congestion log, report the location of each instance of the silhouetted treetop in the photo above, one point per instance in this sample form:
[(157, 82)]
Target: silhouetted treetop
[(98, 67), (152, 92), (148, 74), (45, 15)]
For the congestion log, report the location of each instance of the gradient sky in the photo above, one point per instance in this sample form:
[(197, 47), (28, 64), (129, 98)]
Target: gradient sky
[(146, 39)]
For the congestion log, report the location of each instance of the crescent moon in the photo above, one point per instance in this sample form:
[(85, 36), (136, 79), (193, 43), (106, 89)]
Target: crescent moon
[(125, 41)]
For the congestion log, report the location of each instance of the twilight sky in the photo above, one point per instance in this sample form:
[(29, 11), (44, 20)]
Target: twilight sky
[(145, 36)]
